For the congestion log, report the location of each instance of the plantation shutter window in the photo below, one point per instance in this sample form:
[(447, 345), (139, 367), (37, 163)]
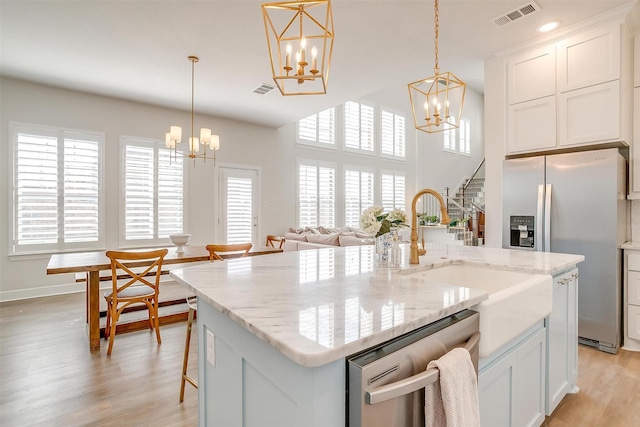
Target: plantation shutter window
[(239, 210), (392, 134), (153, 191), (449, 143), (57, 202), (392, 191), (358, 195), (316, 195), (358, 126), (465, 137), (318, 129)]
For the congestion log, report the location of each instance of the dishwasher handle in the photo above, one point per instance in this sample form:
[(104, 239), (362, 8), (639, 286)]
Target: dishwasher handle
[(413, 383)]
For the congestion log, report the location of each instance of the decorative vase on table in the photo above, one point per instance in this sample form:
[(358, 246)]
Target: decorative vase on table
[(383, 243)]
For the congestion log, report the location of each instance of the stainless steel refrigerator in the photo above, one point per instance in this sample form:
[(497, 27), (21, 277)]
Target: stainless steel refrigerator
[(575, 203)]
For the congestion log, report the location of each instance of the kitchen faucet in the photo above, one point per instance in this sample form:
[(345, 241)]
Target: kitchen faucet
[(444, 219)]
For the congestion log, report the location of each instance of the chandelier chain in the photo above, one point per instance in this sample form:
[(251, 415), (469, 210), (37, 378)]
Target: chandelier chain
[(436, 21)]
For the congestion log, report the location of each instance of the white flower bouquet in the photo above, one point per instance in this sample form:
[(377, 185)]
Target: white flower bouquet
[(375, 222)]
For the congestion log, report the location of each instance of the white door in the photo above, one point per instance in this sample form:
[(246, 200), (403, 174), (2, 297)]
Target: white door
[(238, 207)]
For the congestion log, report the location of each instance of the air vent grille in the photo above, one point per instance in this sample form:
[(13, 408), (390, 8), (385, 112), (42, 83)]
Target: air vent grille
[(264, 88), (526, 9)]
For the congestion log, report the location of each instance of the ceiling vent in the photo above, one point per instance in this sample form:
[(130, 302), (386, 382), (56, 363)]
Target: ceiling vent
[(526, 9), (264, 88)]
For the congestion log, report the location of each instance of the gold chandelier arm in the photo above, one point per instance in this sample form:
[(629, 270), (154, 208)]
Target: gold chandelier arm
[(436, 26)]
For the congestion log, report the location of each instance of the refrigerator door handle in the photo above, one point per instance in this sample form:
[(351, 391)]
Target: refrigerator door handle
[(547, 218), (539, 219)]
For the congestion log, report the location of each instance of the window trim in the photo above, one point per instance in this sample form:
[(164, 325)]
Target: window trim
[(155, 242), (99, 244)]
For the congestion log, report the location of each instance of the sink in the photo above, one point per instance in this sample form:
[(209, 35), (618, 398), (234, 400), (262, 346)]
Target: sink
[(516, 300)]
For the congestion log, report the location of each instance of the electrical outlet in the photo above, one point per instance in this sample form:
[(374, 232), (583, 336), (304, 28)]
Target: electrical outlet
[(211, 348)]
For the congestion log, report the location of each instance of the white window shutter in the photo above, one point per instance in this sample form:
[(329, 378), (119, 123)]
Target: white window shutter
[(358, 194), (36, 189), (239, 210), (139, 193), (170, 194), (57, 201), (465, 136), (318, 129), (358, 126), (316, 195), (153, 190), (81, 189)]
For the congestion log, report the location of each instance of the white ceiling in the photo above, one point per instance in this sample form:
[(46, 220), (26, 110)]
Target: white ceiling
[(137, 50)]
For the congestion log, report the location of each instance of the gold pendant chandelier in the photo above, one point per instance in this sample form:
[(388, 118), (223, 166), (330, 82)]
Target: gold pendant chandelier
[(296, 26), (174, 136), (437, 101)]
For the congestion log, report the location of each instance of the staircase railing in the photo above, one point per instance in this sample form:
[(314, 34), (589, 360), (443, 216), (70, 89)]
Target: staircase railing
[(464, 188)]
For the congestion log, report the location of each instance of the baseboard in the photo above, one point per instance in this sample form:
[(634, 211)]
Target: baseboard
[(43, 291), (49, 291)]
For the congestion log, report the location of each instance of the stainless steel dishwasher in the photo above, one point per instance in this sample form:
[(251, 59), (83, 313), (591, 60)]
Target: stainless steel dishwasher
[(385, 384)]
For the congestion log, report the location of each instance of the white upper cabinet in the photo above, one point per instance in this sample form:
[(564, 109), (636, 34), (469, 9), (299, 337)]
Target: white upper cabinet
[(532, 125), (589, 58), (589, 115), (532, 75), (575, 92)]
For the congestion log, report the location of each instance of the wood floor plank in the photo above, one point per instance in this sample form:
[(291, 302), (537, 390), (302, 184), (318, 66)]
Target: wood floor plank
[(49, 378)]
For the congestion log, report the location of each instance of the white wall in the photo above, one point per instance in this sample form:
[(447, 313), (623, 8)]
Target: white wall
[(272, 150), (241, 143)]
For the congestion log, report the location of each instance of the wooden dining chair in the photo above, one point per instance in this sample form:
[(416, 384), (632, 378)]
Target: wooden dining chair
[(137, 290), (214, 250), (273, 240)]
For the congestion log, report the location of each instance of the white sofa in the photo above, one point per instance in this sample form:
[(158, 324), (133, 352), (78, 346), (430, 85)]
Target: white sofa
[(324, 237)]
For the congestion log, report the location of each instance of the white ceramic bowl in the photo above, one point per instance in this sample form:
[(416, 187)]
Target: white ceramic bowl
[(180, 240)]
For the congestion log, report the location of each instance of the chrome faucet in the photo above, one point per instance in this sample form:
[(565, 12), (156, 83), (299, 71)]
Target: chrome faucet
[(444, 218)]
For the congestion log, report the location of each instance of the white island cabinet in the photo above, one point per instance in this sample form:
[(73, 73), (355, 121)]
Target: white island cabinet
[(275, 330)]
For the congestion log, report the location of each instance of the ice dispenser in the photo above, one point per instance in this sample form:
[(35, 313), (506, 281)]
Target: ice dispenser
[(522, 231)]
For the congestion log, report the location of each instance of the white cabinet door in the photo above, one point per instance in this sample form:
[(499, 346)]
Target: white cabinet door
[(562, 339), (633, 322), (532, 125), (496, 388), (633, 288), (589, 115), (589, 58), (532, 75), (512, 388), (530, 382)]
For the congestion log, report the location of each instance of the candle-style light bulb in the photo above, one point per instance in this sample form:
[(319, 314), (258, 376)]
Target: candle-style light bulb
[(314, 61), (426, 109), (288, 60), (303, 48)]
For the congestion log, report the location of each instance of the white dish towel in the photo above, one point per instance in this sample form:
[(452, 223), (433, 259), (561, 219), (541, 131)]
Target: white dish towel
[(453, 401)]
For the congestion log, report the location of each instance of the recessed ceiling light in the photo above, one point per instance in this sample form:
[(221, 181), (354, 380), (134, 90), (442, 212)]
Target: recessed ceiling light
[(548, 26)]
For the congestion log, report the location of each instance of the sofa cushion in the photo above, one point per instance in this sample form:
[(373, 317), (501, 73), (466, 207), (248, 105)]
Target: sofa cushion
[(354, 241), (295, 236), (325, 239)]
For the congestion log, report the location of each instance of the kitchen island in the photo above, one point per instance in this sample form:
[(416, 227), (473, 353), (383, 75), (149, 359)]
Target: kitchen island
[(274, 331)]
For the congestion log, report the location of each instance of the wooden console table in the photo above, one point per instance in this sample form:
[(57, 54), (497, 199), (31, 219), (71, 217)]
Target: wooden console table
[(92, 263)]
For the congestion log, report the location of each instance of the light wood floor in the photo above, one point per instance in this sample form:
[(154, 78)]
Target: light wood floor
[(49, 378)]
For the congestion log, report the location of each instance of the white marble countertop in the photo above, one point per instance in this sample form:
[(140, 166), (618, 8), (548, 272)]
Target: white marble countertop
[(317, 306)]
